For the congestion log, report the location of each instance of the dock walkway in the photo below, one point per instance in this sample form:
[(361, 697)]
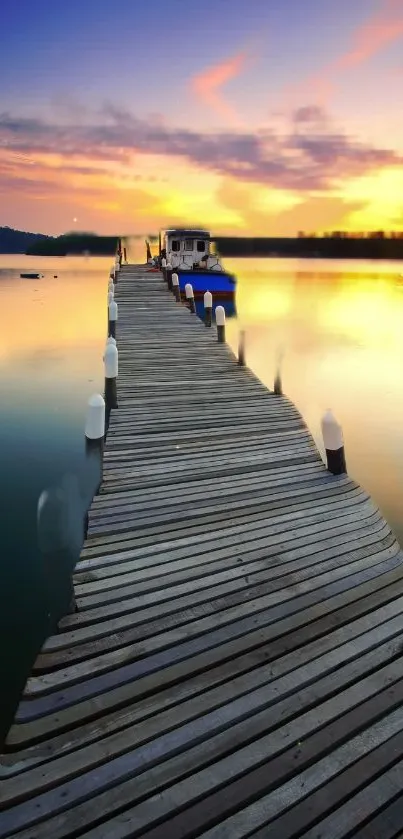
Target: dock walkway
[(235, 668)]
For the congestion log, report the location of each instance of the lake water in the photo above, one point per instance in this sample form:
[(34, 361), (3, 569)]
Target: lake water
[(337, 327)]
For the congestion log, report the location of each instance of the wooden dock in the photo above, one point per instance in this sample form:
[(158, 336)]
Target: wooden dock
[(235, 668)]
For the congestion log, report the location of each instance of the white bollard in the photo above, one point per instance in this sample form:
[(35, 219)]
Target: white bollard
[(112, 318), (334, 444), (220, 321), (175, 287), (111, 373), (110, 297), (208, 308), (190, 300), (95, 422)]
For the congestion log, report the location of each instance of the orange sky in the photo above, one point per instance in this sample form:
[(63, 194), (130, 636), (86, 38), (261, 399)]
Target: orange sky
[(240, 142)]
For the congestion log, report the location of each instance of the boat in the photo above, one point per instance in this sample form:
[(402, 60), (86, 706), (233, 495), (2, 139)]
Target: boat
[(31, 276), (193, 257)]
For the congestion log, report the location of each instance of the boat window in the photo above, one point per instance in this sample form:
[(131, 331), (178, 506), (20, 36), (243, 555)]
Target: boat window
[(188, 244), (175, 245), (201, 246)]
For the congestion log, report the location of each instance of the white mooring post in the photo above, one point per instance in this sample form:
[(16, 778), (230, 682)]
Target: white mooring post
[(220, 321), (95, 421), (334, 444), (112, 318), (208, 308), (110, 297), (111, 375), (190, 300), (164, 268), (175, 287)]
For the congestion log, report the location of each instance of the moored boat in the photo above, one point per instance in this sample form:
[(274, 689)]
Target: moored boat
[(191, 254)]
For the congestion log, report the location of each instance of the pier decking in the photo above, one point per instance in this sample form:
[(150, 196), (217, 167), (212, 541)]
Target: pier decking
[(235, 668)]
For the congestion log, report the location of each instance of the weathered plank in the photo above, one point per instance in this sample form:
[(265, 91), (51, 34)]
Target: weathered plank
[(235, 664)]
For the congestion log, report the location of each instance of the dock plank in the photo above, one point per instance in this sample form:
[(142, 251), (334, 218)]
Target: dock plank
[(234, 667)]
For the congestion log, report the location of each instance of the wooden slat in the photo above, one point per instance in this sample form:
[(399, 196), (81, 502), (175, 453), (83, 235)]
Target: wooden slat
[(235, 666)]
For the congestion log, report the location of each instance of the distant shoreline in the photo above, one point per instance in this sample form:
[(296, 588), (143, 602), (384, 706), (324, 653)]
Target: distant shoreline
[(311, 248)]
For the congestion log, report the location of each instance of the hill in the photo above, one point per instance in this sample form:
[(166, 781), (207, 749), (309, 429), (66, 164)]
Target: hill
[(17, 241)]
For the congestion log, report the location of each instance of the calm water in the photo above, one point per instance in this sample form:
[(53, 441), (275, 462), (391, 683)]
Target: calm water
[(336, 326)]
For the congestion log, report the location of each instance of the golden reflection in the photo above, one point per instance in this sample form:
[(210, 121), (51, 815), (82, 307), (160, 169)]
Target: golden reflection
[(55, 311), (342, 339)]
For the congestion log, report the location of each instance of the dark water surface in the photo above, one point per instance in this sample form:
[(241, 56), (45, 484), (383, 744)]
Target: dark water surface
[(338, 327), (51, 345)]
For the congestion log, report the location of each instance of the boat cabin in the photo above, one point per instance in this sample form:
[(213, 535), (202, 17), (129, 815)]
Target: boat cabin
[(189, 249)]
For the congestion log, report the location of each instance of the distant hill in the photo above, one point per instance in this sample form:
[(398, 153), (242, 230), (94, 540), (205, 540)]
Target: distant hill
[(73, 244), (39, 244), (17, 241)]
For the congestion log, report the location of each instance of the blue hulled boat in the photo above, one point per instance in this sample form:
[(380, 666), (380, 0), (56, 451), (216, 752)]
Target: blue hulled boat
[(192, 255)]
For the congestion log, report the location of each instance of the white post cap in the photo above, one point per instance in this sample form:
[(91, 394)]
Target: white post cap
[(113, 310), (110, 296), (163, 262), (220, 316), (95, 422), (331, 432), (111, 340), (175, 279), (208, 300), (189, 291), (111, 361)]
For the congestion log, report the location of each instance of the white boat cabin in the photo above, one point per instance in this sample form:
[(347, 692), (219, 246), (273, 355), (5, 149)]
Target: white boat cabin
[(188, 249)]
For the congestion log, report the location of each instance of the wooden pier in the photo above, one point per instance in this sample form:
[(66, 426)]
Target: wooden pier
[(235, 666)]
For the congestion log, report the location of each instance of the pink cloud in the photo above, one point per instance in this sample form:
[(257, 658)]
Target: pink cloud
[(208, 84), (376, 33), (372, 36)]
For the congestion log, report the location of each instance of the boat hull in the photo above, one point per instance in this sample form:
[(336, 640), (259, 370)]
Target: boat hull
[(220, 283)]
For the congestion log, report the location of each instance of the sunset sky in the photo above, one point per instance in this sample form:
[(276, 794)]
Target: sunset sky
[(253, 117)]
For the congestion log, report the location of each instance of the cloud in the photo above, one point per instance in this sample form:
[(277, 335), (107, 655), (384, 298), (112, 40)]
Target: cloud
[(310, 156), (373, 35), (208, 85), (376, 33)]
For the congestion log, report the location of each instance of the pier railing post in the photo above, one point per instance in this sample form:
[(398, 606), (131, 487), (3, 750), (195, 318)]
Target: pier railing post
[(168, 275), (241, 349), (111, 374), (334, 444), (190, 300), (112, 318), (220, 321), (208, 308), (164, 268), (175, 287)]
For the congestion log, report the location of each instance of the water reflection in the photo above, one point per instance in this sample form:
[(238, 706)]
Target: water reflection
[(229, 307), (51, 346), (339, 329)]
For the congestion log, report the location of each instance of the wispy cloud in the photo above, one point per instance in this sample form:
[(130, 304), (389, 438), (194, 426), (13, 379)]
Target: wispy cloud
[(208, 85), (311, 155), (377, 32)]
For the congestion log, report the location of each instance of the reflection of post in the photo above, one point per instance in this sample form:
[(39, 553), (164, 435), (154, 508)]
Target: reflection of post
[(60, 537)]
